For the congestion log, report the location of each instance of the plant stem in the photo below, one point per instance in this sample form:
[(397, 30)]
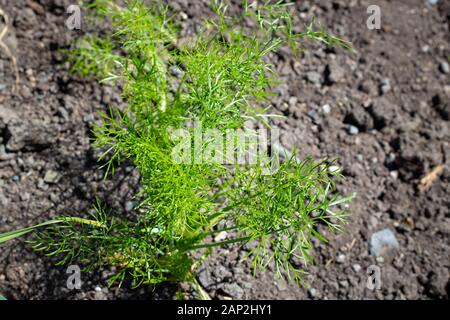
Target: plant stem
[(21, 232), (84, 221), (216, 244), (202, 294)]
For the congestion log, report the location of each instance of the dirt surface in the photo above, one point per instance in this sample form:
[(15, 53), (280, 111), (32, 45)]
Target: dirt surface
[(383, 112)]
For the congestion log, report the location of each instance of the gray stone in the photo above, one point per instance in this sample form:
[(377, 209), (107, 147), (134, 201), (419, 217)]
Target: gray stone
[(444, 67), (29, 135), (326, 108), (358, 116), (221, 236), (352, 130), (41, 184), (313, 77), (334, 72), (293, 101), (281, 284), (222, 273), (425, 48), (382, 242), (51, 176), (314, 116), (183, 15), (100, 295), (312, 292), (394, 174), (334, 169), (63, 113), (54, 197), (390, 159), (129, 205), (385, 86), (233, 290), (25, 196), (356, 267), (340, 258), (88, 117)]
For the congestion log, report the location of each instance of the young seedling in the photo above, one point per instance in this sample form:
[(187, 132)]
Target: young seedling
[(219, 80)]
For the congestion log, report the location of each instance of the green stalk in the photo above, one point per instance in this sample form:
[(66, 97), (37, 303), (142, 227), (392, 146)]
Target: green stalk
[(21, 232), (7, 236), (160, 68), (85, 221)]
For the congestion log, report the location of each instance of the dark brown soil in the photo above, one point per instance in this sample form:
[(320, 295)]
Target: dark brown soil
[(403, 133)]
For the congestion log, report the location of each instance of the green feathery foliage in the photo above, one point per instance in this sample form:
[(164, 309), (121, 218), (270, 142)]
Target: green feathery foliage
[(220, 79)]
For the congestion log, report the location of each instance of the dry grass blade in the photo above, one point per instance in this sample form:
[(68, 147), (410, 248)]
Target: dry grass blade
[(8, 51), (429, 178)]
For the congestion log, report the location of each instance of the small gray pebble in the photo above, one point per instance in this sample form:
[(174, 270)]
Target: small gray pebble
[(352, 130), (444, 67), (385, 86), (381, 241)]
